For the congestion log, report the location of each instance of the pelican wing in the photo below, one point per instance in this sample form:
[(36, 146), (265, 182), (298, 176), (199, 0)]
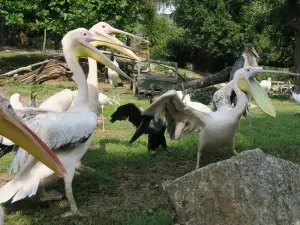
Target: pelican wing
[(181, 119), (58, 130), (60, 102)]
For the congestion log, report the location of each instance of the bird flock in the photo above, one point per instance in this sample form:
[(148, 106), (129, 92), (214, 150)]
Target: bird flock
[(57, 133)]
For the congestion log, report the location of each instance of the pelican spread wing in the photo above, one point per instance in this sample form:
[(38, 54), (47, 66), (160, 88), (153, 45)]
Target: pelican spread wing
[(181, 119)]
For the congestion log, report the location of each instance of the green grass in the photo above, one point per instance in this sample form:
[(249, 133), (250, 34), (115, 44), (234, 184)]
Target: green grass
[(119, 185)]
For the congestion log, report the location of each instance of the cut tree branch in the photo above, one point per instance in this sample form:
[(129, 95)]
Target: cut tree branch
[(220, 77), (26, 68)]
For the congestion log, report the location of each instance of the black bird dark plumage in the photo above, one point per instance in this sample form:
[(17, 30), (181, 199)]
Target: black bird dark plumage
[(153, 126)]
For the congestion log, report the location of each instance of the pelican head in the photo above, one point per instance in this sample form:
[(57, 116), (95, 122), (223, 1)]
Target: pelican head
[(79, 40), (250, 48), (248, 83), (12, 128), (104, 30), (108, 29)]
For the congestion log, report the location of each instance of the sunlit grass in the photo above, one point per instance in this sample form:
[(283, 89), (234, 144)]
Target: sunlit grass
[(120, 185)]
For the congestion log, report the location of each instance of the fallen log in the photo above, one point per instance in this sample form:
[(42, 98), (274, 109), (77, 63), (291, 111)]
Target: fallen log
[(50, 70), (220, 77), (25, 68)]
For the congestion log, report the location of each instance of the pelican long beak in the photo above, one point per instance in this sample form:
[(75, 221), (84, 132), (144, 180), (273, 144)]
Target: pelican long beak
[(254, 52), (114, 30), (250, 85), (86, 49), (125, 50), (20, 134)]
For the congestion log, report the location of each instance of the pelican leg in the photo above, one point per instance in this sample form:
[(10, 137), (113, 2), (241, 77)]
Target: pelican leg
[(232, 147), (52, 195), (102, 107), (69, 193), (200, 148)]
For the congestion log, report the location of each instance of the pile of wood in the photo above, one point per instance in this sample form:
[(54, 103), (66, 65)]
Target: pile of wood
[(41, 72)]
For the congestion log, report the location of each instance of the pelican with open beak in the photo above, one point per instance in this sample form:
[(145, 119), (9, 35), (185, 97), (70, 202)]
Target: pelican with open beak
[(12, 128), (218, 128)]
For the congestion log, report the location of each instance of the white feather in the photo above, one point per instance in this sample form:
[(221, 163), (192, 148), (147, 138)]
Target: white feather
[(60, 102), (113, 76), (266, 84), (1, 216)]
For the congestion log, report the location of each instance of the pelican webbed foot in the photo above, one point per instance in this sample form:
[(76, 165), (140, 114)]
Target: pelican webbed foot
[(234, 152), (52, 195), (72, 213)]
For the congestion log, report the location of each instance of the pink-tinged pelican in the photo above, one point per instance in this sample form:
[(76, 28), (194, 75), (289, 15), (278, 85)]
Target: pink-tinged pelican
[(218, 128), (11, 127), (67, 133)]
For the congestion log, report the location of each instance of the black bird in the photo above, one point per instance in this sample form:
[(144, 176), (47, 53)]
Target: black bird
[(153, 126)]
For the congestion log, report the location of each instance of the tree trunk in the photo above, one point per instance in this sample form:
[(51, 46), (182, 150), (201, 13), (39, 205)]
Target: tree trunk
[(297, 59), (2, 30), (220, 77), (45, 39)]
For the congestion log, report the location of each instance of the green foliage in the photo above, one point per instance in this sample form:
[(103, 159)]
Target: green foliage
[(218, 29), (60, 16), (160, 31)]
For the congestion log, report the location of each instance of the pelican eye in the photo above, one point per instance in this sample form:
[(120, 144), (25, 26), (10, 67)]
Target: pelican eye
[(248, 70), (103, 26), (9, 106), (84, 34)]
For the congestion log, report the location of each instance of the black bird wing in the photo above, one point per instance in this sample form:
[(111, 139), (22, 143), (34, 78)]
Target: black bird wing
[(128, 111), (143, 128), (5, 149)]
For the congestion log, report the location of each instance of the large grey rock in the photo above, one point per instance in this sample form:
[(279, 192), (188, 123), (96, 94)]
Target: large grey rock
[(251, 188)]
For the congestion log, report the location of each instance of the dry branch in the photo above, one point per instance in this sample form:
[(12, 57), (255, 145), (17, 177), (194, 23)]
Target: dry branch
[(220, 77), (26, 68), (50, 70)]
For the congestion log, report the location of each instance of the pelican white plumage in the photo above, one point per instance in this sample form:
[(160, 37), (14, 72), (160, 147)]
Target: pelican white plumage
[(218, 128), (68, 133), (16, 101), (266, 84), (61, 101), (295, 96), (186, 99), (12, 128), (64, 100), (113, 76), (104, 100)]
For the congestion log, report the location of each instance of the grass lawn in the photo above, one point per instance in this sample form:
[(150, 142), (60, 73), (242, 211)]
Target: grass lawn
[(120, 185)]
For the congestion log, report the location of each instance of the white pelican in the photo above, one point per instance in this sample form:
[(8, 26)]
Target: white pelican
[(113, 76), (12, 128), (218, 128), (68, 133), (266, 84), (186, 99), (295, 96), (249, 57), (61, 101), (104, 100), (16, 101)]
